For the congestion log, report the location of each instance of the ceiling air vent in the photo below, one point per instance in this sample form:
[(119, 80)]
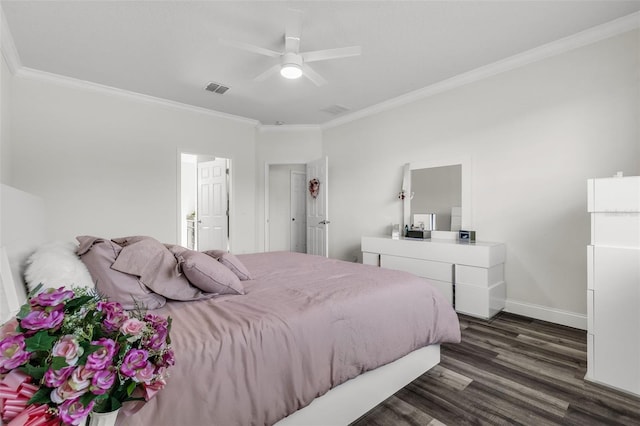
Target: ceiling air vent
[(216, 88), (336, 109)]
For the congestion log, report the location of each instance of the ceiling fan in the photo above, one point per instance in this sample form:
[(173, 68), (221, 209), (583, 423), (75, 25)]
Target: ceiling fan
[(293, 63)]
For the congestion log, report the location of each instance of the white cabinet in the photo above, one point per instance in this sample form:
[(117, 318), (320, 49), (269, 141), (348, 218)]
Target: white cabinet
[(471, 276), (613, 283)]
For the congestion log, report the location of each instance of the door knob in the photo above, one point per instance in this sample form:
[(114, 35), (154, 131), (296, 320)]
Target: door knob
[(324, 222)]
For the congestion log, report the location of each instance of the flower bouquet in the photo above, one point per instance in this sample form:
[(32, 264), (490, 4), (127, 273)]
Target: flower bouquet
[(70, 352)]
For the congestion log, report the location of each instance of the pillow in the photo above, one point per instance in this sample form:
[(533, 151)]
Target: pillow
[(157, 268), (208, 274), (98, 255), (56, 264), (125, 241), (232, 262)]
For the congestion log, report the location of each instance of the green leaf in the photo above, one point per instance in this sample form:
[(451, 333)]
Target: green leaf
[(24, 311), (115, 404), (58, 362), (36, 372), (41, 396), (86, 398), (131, 387), (34, 291), (76, 303), (41, 341)]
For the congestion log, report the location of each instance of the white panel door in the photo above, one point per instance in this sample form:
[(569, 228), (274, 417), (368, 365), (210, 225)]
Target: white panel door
[(298, 212), (318, 208), (213, 223)]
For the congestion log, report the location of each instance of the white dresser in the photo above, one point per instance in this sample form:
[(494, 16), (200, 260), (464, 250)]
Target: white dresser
[(613, 283), (470, 275)]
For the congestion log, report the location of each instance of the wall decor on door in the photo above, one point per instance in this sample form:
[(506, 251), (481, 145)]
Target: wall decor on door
[(314, 187)]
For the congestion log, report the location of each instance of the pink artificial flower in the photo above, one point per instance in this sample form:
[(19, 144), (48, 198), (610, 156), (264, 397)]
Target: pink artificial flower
[(145, 374), (103, 381), (133, 327), (134, 360), (68, 348), (43, 319), (150, 390), (158, 339), (168, 359), (114, 315), (102, 358), (72, 412), (80, 380), (66, 392), (156, 320), (55, 378), (9, 328), (52, 297), (12, 353)]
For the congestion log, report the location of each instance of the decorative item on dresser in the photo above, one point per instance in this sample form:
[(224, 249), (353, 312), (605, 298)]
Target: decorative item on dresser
[(471, 276), (613, 283)]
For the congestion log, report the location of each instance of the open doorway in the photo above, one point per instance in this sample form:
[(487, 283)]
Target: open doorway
[(286, 228), (204, 202)]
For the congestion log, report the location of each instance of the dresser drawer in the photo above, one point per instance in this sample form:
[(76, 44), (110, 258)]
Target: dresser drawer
[(446, 288), (440, 271), (483, 302), (370, 258), (615, 229), (483, 277)]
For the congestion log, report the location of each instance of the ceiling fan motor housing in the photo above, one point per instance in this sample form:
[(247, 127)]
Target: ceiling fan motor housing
[(291, 65), (291, 58)]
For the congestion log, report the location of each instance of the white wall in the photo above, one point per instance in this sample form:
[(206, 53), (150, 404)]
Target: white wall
[(5, 115), (288, 145), (534, 135), (188, 183), (106, 164)]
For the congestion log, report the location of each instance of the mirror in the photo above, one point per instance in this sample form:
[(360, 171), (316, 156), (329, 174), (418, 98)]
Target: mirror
[(440, 187), (437, 198)]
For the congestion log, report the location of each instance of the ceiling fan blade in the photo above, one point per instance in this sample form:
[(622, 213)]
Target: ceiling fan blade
[(268, 73), (293, 31), (312, 75), (251, 48), (340, 52)]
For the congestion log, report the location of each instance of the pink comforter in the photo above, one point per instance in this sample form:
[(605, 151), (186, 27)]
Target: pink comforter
[(305, 325)]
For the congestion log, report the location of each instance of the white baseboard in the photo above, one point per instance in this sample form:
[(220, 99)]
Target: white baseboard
[(544, 313)]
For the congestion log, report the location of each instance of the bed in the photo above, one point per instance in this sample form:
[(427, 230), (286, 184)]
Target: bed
[(312, 341)]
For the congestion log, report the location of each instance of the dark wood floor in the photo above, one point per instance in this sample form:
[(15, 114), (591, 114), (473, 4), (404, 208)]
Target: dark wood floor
[(511, 370)]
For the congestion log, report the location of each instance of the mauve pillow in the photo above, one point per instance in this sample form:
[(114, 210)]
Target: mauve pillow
[(158, 269), (208, 274), (232, 262), (125, 241), (98, 255)]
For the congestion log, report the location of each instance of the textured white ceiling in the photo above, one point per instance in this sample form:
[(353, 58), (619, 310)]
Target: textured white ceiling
[(170, 49)]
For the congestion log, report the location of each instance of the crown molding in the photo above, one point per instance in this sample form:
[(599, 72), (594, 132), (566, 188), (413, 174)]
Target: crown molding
[(266, 128), (583, 38), (25, 72), (9, 51)]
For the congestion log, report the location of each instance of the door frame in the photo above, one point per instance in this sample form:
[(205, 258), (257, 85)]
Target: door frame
[(291, 204), (230, 198), (267, 166)]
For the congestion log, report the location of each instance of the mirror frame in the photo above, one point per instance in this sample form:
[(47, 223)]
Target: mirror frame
[(464, 162)]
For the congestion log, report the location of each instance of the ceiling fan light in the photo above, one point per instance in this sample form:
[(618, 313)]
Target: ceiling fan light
[(291, 71)]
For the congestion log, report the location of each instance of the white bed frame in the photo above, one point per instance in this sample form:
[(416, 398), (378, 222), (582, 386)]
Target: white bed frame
[(22, 229)]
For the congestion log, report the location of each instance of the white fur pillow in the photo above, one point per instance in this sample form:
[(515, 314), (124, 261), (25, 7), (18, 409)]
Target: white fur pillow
[(56, 265)]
